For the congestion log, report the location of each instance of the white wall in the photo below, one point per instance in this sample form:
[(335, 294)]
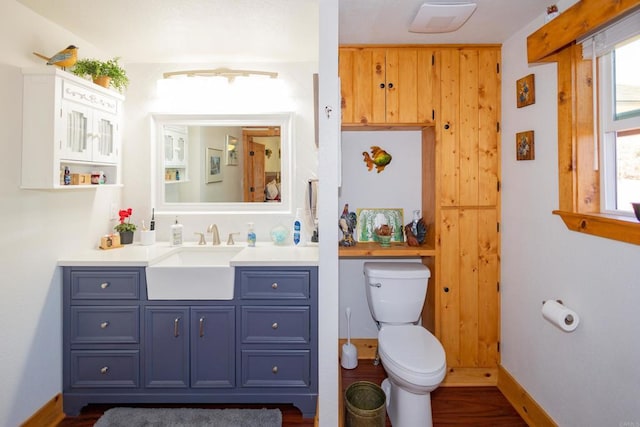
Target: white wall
[(38, 226), (589, 377), (142, 100), (399, 185)]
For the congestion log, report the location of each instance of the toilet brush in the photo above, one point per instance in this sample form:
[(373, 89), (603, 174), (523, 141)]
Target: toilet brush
[(349, 358)]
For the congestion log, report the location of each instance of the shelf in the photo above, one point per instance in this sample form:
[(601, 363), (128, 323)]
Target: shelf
[(372, 249)]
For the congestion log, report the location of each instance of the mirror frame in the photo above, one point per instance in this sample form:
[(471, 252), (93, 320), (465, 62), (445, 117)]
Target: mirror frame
[(284, 120)]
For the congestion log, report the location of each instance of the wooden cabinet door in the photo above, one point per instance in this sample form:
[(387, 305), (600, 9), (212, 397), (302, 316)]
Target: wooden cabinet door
[(469, 127), (387, 85), (467, 322)]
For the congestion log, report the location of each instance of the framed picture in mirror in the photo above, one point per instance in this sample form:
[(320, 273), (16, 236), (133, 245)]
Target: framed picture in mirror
[(231, 150), (214, 165)]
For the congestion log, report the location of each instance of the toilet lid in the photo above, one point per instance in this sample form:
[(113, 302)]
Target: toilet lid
[(412, 347)]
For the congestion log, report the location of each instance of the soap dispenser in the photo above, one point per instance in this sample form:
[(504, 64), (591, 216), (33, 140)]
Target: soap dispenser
[(251, 236), (176, 234)]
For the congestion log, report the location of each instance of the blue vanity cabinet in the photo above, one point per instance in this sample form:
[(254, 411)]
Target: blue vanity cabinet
[(189, 346), (259, 348), (278, 333)]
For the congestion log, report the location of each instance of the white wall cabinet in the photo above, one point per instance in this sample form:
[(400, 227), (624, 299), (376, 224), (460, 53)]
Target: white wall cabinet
[(176, 145), (68, 122)]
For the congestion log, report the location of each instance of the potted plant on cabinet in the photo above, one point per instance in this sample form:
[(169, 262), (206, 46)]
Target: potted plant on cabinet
[(125, 229), (104, 73)]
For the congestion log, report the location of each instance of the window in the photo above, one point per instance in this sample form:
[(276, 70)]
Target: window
[(619, 104)]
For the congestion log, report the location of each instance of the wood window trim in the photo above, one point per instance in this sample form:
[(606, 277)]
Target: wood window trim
[(579, 183)]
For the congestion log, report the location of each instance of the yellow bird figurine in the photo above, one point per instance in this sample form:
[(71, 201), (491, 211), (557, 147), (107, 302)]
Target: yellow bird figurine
[(63, 59)]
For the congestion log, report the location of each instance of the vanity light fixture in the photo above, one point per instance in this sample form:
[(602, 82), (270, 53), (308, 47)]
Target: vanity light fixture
[(441, 17), (228, 73)]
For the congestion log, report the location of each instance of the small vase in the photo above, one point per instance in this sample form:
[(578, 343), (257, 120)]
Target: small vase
[(385, 241), (126, 237)]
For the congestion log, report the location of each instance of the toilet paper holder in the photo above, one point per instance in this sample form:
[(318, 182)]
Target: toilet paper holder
[(568, 320)]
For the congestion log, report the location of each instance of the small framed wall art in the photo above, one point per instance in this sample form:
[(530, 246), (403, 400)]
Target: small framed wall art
[(213, 166), (525, 148), (526, 91), (231, 150)]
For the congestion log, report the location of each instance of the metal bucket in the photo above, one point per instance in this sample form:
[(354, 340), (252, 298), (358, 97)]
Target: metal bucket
[(365, 403)]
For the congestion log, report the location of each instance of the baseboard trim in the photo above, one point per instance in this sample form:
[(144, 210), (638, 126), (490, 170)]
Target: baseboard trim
[(49, 415), (532, 413)]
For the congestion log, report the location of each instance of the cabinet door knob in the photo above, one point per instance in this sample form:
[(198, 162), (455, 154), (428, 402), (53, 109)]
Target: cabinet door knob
[(390, 85), (274, 286), (446, 289), (447, 126), (104, 370), (274, 369), (104, 285), (275, 325), (381, 85), (104, 325)]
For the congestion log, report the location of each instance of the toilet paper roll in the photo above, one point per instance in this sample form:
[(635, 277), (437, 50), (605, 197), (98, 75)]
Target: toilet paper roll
[(560, 316)]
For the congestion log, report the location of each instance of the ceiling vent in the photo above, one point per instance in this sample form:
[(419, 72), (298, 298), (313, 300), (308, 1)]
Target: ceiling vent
[(441, 17)]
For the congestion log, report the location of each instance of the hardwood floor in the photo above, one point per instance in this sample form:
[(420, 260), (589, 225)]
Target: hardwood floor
[(451, 406)]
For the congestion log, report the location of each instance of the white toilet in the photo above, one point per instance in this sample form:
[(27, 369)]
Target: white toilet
[(412, 357)]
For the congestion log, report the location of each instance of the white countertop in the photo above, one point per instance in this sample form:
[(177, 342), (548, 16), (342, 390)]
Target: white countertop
[(136, 255)]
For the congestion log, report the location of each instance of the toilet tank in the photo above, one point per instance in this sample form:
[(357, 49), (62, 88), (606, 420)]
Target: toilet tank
[(396, 290)]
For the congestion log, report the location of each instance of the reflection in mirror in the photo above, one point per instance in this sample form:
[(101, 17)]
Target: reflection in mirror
[(224, 162)]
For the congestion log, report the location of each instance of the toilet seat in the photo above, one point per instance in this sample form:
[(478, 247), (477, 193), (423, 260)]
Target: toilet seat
[(412, 353)]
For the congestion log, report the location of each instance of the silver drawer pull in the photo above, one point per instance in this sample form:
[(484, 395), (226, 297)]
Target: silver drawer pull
[(176, 327), (104, 370), (274, 286), (275, 325), (104, 325), (274, 369), (104, 285), (202, 327)]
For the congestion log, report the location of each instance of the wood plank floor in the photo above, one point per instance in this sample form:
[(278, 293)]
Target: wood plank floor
[(451, 406)]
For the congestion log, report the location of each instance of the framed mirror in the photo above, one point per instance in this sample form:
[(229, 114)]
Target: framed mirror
[(222, 163)]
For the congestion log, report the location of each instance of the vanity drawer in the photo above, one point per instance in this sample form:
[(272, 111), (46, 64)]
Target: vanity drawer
[(274, 284), (100, 325), (105, 368), (275, 324), (105, 284), (274, 368)]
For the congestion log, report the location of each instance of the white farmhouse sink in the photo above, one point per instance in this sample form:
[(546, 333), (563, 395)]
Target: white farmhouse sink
[(192, 273)]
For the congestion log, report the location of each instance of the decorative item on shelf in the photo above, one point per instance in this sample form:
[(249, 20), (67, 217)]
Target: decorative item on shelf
[(526, 91), (347, 223), (125, 229), (279, 235), (416, 230), (65, 58), (636, 210), (552, 12), (383, 235), (378, 157), (110, 241), (104, 73), (525, 148), (370, 219)]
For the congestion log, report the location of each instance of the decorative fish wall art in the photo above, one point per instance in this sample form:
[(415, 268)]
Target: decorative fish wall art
[(378, 158)]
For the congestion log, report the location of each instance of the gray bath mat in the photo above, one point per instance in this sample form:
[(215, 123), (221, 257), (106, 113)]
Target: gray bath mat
[(190, 417)]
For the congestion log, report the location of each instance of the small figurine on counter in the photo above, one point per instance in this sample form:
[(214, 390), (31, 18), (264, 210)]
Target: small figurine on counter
[(347, 224), (67, 176), (416, 230)]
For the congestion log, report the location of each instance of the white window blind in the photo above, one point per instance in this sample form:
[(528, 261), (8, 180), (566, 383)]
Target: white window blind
[(604, 41)]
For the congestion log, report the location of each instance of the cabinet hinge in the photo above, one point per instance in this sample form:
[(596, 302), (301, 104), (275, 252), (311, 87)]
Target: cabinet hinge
[(498, 345), (252, 189), (61, 113), (433, 59), (498, 227), (433, 114), (252, 153), (497, 286), (498, 127), (498, 186), (498, 68)]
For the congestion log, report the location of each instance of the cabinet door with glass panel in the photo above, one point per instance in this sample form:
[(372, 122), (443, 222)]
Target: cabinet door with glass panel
[(88, 134)]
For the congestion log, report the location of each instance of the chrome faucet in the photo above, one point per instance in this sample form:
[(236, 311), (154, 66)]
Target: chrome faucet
[(215, 235)]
